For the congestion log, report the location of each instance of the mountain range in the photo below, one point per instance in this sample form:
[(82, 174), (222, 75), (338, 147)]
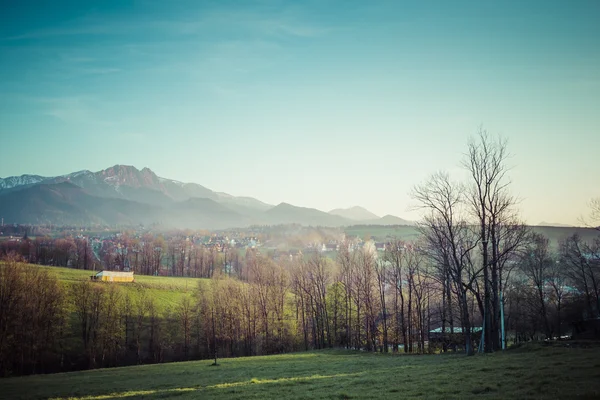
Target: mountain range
[(124, 195)]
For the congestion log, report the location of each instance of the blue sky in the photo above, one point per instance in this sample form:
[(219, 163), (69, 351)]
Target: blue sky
[(318, 103)]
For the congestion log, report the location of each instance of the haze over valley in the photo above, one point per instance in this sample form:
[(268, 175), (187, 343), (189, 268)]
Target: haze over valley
[(123, 195)]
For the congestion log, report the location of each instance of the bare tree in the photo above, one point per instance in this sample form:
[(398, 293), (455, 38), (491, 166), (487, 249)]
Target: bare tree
[(512, 237), (381, 269), (490, 204), (32, 315), (316, 276), (581, 260), (449, 238), (365, 285), (84, 255), (418, 285), (346, 262), (537, 265), (557, 280), (394, 256), (141, 310), (595, 214), (184, 314)]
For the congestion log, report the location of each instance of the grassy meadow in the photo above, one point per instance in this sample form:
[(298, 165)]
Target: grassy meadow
[(555, 234), (531, 372), (382, 232), (167, 291)]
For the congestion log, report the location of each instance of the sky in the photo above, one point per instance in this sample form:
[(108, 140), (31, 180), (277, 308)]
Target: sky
[(321, 104)]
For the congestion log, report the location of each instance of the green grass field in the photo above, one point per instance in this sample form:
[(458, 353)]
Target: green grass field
[(167, 291), (382, 233), (533, 372), (408, 233)]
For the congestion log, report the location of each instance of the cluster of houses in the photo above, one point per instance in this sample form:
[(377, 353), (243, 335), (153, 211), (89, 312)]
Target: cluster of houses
[(353, 245), (124, 254), (329, 248), (221, 243)]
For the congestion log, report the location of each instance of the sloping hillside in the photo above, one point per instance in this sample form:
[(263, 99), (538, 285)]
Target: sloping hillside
[(285, 213), (65, 203), (355, 213)]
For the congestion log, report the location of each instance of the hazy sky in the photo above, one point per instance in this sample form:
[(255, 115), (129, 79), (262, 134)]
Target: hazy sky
[(318, 103)]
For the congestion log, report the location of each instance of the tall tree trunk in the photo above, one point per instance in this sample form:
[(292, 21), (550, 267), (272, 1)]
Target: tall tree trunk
[(466, 324), (547, 330), (403, 319)]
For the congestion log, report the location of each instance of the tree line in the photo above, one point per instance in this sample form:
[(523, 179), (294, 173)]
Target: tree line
[(388, 302), (148, 255)]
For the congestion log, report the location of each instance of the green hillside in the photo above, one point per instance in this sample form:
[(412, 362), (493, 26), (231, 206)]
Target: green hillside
[(381, 233), (534, 373), (167, 291)]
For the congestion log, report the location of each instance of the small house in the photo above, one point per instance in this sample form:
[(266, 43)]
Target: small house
[(113, 276)]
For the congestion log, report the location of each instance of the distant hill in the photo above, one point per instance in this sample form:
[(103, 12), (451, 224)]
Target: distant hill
[(555, 224), (68, 204), (557, 234), (355, 213), (393, 220), (285, 213), (387, 220), (199, 212), (242, 201), (360, 215), (379, 232)]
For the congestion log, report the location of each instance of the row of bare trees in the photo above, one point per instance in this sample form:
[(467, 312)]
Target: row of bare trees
[(32, 319), (418, 297), (45, 250), (149, 256), (480, 249), (176, 257)]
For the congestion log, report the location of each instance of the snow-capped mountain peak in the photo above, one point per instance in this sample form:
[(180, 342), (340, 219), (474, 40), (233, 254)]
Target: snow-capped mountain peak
[(23, 180), (83, 172), (165, 180)]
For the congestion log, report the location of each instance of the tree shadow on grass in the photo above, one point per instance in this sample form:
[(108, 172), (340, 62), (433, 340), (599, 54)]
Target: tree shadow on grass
[(199, 391)]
